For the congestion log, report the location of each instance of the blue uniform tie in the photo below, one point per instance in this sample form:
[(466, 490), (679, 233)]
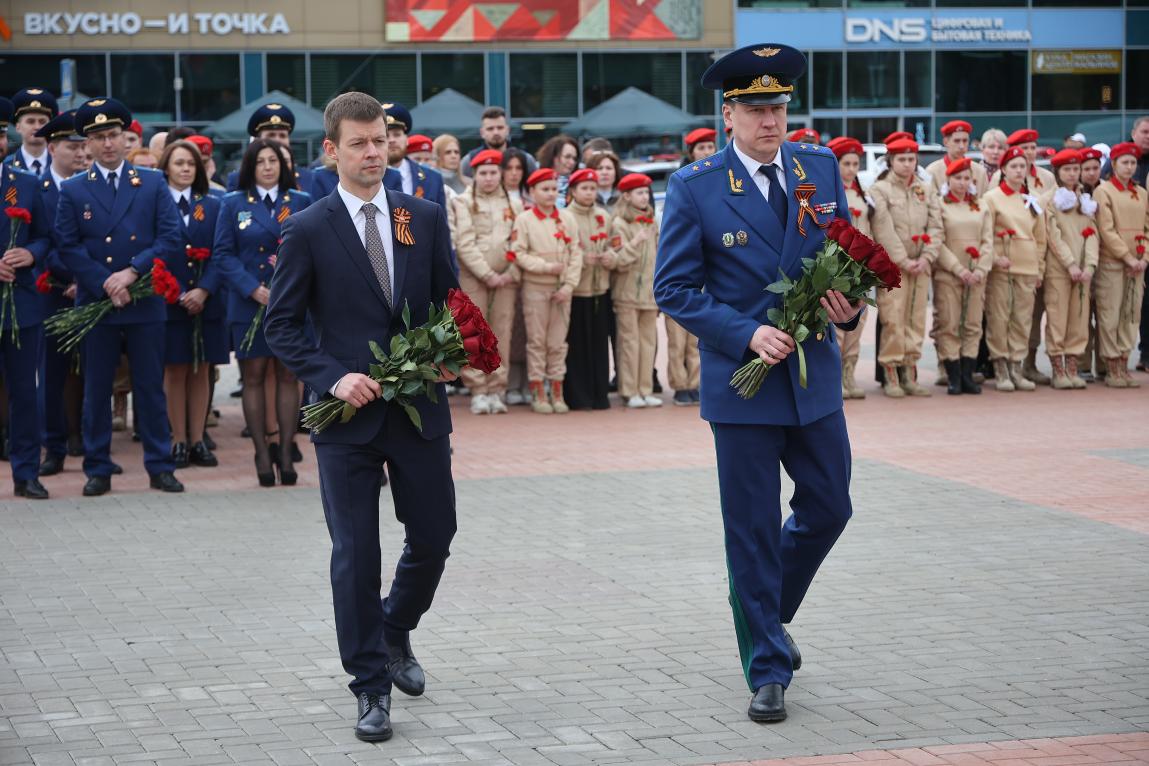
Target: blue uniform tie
[(777, 198), (112, 181)]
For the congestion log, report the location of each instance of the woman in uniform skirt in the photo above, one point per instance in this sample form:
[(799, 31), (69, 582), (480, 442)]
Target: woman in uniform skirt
[(246, 240), (196, 337)]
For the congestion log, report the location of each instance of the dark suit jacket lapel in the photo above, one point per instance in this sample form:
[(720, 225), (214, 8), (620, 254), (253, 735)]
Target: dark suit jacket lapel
[(341, 222), (401, 252), (125, 193), (749, 204), (261, 215), (100, 189)]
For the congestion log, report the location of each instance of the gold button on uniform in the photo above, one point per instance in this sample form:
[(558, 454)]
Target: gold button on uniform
[(132, 238), (108, 238), (108, 259), (819, 336)]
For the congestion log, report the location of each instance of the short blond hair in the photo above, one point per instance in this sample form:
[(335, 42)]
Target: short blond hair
[(994, 136), (441, 142)]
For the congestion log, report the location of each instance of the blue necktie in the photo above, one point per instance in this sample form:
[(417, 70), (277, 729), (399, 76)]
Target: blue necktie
[(112, 181), (777, 197)]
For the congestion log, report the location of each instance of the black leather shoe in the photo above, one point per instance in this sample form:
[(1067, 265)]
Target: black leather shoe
[(51, 466), (200, 455), (210, 442), (406, 672), (31, 489), (166, 481), (768, 705), (795, 655), (180, 455), (374, 718), (97, 485), (117, 469)]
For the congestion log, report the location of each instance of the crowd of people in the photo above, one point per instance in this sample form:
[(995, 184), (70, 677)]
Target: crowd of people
[(557, 248)]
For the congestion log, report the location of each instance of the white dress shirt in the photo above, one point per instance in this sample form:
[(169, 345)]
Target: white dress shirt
[(273, 192), (177, 196), (29, 159), (759, 178), (382, 222), (404, 169)]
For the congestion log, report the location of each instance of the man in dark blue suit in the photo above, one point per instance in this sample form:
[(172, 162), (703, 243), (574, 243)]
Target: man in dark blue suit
[(111, 224), (275, 123), (20, 339), (342, 264), (732, 223)]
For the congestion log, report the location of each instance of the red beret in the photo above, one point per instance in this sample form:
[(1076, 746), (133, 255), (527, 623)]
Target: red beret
[(698, 135), (902, 146), (1123, 148), (897, 135), (958, 166), (1089, 153), (634, 181), (1013, 153), (417, 142), (540, 175), (137, 128), (1066, 157), (844, 145), (203, 143), (579, 176), (805, 135), (953, 126), (487, 157), (1023, 136)]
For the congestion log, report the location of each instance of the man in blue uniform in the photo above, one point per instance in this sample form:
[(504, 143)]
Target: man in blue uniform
[(275, 123), (417, 180), (732, 223), (33, 107), (67, 151), (21, 334), (112, 223)]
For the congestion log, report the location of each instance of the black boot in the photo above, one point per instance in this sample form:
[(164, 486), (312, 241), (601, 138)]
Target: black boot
[(968, 386), (953, 376)]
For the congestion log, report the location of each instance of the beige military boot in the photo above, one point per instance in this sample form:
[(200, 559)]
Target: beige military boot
[(1130, 381), (539, 401), (560, 406), (908, 377), (1030, 372), (1001, 378), (1061, 379), (1075, 379), (1018, 377), (892, 387), (850, 387)]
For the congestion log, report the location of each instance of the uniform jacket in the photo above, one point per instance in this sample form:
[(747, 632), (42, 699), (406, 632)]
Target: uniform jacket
[(539, 240), (902, 212), (199, 232), (1066, 246), (481, 230), (593, 228), (247, 235), (965, 224), (20, 189), (100, 232), (1122, 216), (715, 287), (632, 277), (861, 208), (937, 171), (1026, 247), (323, 272), (15, 160)]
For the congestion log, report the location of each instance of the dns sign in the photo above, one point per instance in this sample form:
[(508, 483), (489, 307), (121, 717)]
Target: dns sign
[(863, 30)]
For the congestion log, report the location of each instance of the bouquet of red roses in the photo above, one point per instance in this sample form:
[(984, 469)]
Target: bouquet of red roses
[(453, 337), (849, 262), (74, 323)]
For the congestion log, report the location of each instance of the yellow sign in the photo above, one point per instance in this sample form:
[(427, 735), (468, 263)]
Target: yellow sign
[(1075, 62)]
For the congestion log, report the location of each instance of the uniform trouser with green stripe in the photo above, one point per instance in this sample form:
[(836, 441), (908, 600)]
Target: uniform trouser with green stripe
[(771, 564)]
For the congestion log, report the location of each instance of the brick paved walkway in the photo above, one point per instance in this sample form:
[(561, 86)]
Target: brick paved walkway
[(988, 604)]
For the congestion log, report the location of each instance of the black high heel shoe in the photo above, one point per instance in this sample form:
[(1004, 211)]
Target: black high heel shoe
[(265, 479), (286, 477)]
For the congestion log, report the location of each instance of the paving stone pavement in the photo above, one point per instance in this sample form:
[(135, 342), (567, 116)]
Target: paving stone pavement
[(582, 620)]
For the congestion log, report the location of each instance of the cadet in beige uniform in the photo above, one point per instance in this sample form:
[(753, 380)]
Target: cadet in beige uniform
[(849, 153), (955, 138), (634, 242), (1123, 224), (547, 252), (907, 222), (965, 259), (587, 385), (1019, 263), (481, 219), (1090, 361), (1071, 260)]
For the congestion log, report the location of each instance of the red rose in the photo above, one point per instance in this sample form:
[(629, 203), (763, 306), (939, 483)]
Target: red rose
[(916, 237), (1011, 232), (44, 282), (861, 247), (841, 232), (19, 213), (1141, 250), (855, 212), (466, 314), (199, 253), (1088, 232), (884, 269), (511, 258), (926, 239), (599, 220), (973, 252)]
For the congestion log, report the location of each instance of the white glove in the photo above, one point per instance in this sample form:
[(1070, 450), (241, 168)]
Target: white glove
[(1031, 203), (945, 189), (1088, 204), (1064, 199)]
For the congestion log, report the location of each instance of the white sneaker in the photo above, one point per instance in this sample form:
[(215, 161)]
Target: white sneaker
[(496, 404), (636, 402), (515, 397), (480, 405), (652, 401)]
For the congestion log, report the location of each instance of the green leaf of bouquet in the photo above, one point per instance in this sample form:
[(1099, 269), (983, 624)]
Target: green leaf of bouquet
[(802, 333), (377, 351), (780, 287), (774, 315), (414, 415), (406, 315), (841, 284)]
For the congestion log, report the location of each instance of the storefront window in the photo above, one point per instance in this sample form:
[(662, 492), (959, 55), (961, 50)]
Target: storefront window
[(872, 80), (607, 74), (1053, 128), (827, 80), (287, 73), (871, 130), (145, 82), (387, 78), (829, 126), (462, 72), (699, 100), (210, 86), (980, 81), (1063, 92), (20, 71), (1136, 92), (544, 85), (918, 79)]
